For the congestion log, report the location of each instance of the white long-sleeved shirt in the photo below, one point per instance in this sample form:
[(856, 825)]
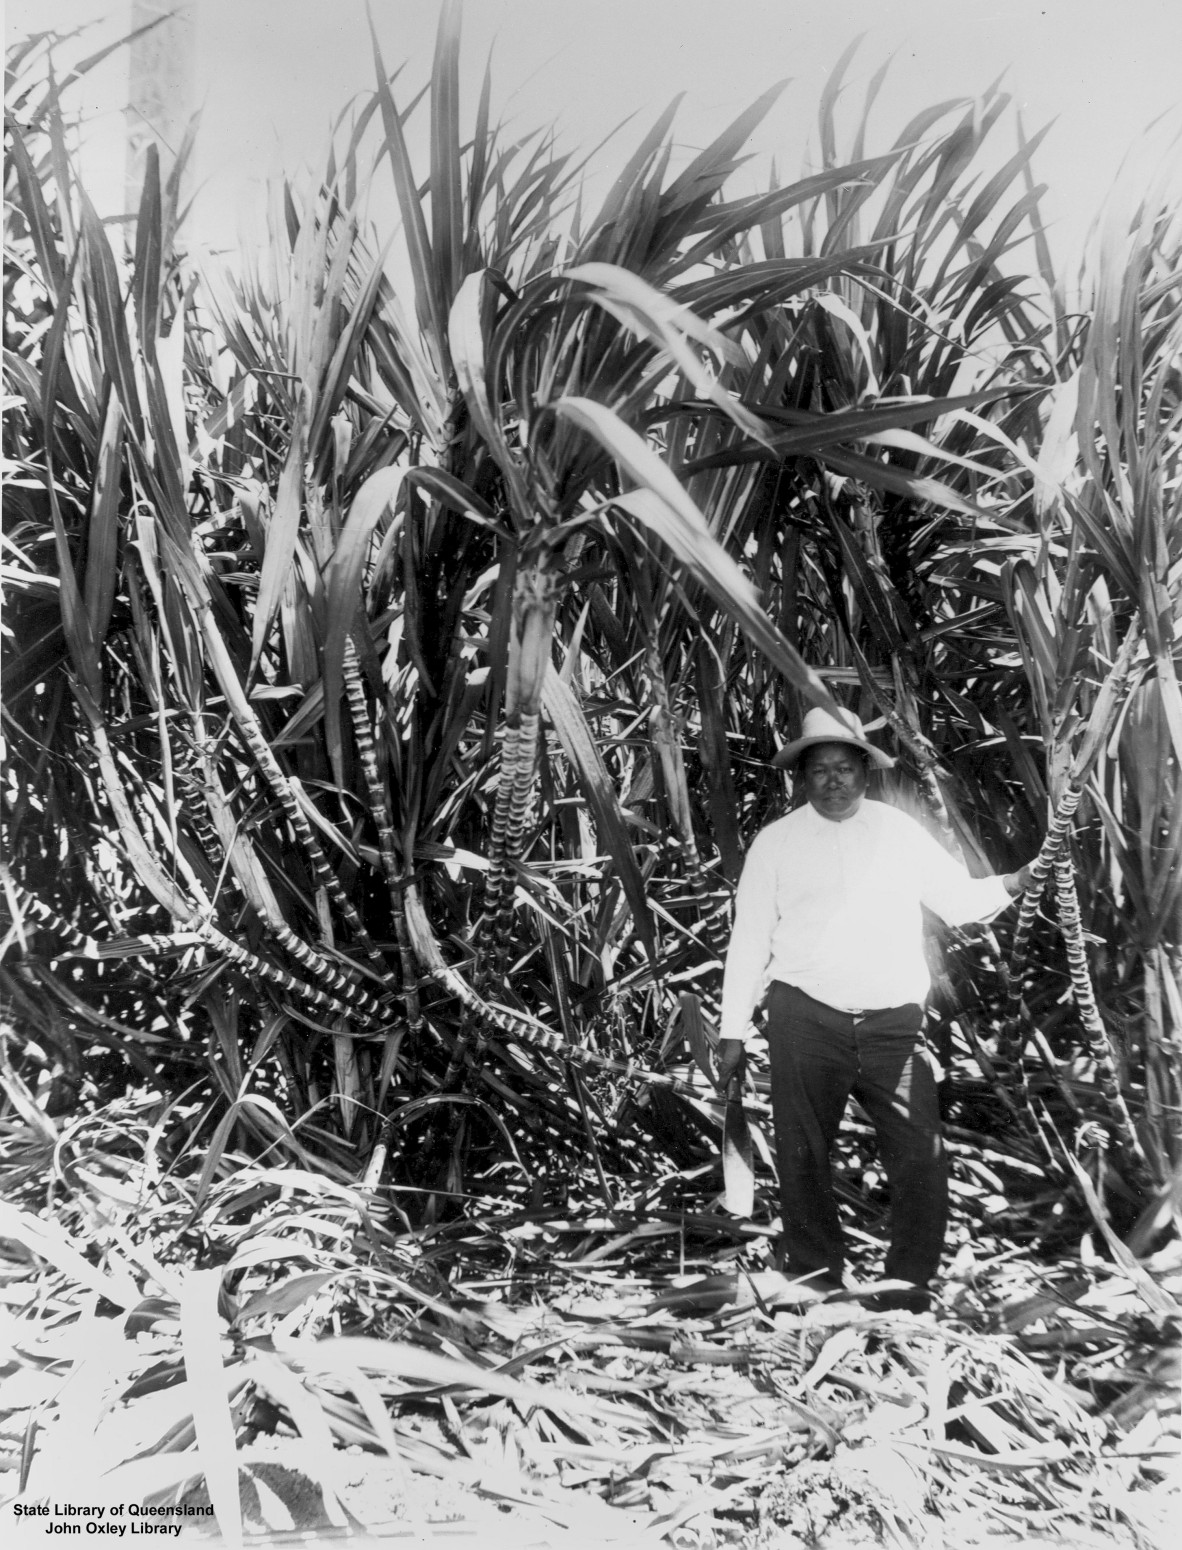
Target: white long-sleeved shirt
[(834, 909)]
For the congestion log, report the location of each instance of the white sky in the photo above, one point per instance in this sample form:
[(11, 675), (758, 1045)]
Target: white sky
[(273, 74)]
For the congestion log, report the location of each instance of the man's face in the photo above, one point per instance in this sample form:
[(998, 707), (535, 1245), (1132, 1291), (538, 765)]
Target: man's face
[(834, 779)]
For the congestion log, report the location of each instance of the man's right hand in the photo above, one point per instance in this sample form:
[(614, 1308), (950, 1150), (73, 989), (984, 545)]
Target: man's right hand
[(731, 1059), (1018, 882)]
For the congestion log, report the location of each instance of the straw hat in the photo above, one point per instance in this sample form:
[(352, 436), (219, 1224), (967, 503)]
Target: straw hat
[(821, 727)]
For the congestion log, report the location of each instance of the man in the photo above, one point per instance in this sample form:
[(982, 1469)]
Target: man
[(828, 917)]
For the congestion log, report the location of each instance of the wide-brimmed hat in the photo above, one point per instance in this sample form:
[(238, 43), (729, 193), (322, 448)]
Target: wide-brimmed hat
[(822, 727)]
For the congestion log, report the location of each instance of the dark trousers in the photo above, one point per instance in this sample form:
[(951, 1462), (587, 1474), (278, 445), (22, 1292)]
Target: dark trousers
[(819, 1057)]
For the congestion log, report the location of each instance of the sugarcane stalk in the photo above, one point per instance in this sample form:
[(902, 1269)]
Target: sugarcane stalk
[(1071, 926), (281, 786), (379, 807), (254, 966), (999, 1080), (196, 929), (524, 1029), (535, 604), (518, 1026), (1041, 869), (335, 976), (197, 816), (1100, 721)]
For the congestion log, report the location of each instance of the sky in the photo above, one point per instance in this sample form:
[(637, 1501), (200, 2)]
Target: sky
[(272, 75)]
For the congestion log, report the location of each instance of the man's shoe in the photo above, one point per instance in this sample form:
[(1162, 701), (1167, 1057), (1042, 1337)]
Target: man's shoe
[(908, 1299), (822, 1286)]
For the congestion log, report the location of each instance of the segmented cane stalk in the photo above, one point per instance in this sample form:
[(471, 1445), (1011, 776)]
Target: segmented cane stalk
[(521, 792), (517, 1025), (190, 780), (1071, 926), (379, 806), (322, 871), (510, 811), (250, 963), (1010, 1042), (196, 929), (335, 976), (83, 946), (137, 949), (1040, 870), (52, 920), (535, 602), (520, 796), (523, 1028), (281, 786), (1104, 712), (514, 790), (497, 877)]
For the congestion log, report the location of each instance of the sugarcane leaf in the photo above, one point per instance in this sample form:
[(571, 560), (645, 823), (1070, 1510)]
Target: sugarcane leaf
[(398, 1359), (342, 586), (650, 314), (277, 1301), (455, 495), (37, 214), (664, 506), (567, 717), (764, 286), (282, 533), (76, 626), (431, 315), (811, 432), (447, 229), (102, 548), (772, 206), (49, 1242), (49, 104), (888, 476), (149, 254), (722, 797), (206, 1377), (466, 328), (110, 316), (711, 167), (344, 357), (698, 1036)]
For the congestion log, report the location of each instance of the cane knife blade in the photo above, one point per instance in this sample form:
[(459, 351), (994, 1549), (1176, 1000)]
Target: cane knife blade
[(738, 1172)]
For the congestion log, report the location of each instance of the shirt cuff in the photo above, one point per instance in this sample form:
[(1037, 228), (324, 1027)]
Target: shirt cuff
[(1004, 897), (741, 1035)]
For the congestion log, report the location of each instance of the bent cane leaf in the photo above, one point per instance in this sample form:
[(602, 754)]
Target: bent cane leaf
[(343, 594), (666, 508), (567, 718), (282, 533), (212, 1420)]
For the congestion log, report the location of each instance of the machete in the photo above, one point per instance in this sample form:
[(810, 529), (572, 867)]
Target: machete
[(738, 1174)]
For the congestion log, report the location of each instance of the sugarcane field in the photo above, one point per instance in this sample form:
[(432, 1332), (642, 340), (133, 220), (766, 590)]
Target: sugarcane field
[(591, 879)]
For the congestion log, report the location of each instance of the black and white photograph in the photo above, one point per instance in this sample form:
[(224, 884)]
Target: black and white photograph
[(591, 736)]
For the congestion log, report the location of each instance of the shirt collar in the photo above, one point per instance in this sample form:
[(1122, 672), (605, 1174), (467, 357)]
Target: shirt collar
[(861, 819)]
